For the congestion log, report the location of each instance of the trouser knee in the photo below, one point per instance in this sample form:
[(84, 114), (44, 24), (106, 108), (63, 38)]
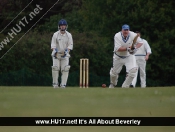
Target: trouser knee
[(66, 68), (55, 68), (133, 72), (113, 73)]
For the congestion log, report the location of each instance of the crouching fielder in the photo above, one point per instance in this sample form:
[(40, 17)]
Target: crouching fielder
[(123, 55), (61, 45)]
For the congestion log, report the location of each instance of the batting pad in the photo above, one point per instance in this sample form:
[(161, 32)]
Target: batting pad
[(113, 77), (65, 74), (55, 74), (130, 77)]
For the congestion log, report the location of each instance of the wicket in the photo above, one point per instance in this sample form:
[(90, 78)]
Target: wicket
[(84, 73)]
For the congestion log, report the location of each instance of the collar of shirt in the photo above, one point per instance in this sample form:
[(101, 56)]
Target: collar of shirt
[(61, 33), (125, 39)]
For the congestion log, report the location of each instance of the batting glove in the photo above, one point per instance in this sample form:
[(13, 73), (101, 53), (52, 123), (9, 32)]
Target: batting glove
[(132, 51), (54, 52), (129, 49), (65, 52)]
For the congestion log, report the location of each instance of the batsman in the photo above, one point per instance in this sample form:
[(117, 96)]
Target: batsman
[(61, 45), (126, 44)]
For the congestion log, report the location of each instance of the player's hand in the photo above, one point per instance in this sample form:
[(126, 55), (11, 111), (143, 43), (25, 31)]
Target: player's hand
[(129, 49), (132, 51), (54, 52), (146, 57), (65, 52)]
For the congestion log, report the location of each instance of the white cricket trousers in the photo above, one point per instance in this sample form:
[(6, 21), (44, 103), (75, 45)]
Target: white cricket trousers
[(129, 62), (61, 63), (141, 67), (131, 68)]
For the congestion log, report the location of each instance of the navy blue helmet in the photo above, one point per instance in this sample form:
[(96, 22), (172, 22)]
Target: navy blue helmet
[(62, 22)]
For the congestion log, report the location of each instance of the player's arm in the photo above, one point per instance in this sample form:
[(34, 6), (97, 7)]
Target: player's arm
[(148, 50), (118, 46), (70, 42), (147, 47), (70, 45), (53, 42), (122, 48), (147, 56), (53, 46), (139, 43)]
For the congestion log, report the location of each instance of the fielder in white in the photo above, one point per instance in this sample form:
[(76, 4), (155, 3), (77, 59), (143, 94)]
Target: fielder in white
[(142, 55), (61, 45), (123, 55)]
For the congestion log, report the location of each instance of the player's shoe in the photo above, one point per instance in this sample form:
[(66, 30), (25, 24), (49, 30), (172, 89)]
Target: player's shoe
[(111, 86), (63, 86), (55, 86), (131, 86)]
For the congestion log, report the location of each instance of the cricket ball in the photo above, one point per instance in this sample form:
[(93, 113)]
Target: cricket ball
[(103, 85)]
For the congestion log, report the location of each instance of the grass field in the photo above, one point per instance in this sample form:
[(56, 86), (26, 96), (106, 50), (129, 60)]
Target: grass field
[(94, 102)]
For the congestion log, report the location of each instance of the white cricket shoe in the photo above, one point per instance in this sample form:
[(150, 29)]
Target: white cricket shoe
[(111, 86), (55, 86), (63, 86)]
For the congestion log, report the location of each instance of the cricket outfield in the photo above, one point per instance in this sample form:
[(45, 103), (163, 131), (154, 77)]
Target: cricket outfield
[(86, 102)]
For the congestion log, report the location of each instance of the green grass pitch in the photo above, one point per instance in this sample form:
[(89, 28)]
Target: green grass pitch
[(81, 102)]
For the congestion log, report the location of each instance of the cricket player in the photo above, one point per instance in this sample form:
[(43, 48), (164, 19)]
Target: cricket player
[(142, 55), (123, 55), (61, 45)]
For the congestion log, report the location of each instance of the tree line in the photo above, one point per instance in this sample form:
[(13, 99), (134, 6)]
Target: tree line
[(93, 25)]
